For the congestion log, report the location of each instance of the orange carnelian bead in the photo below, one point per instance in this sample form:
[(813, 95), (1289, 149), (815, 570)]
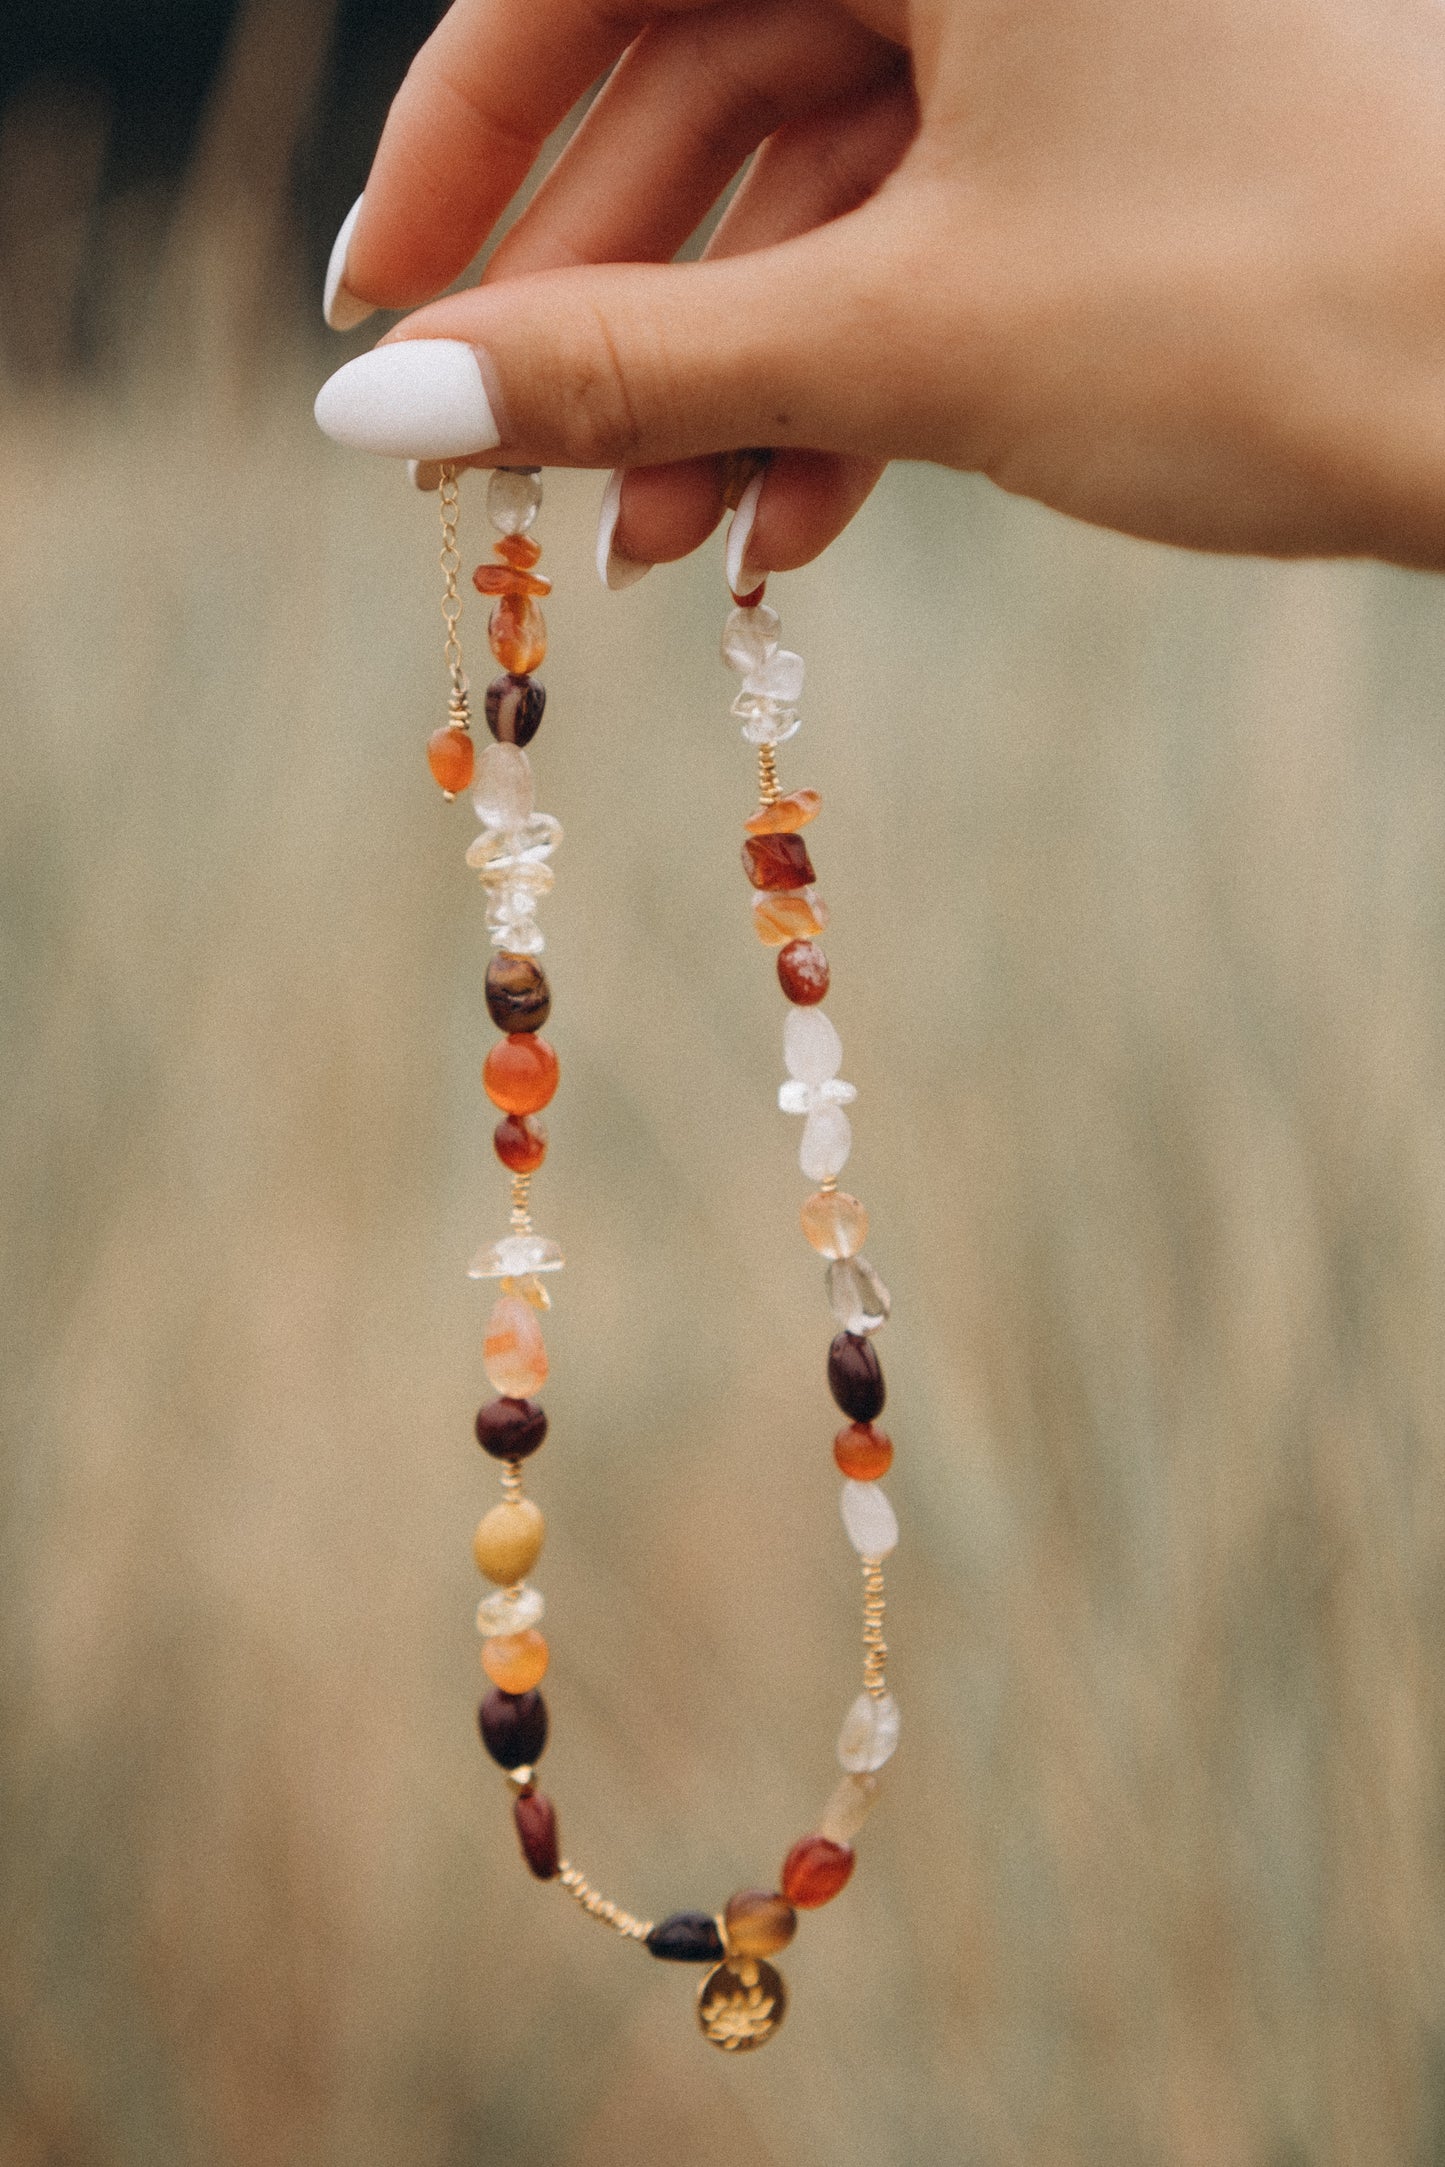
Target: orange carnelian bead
[(518, 634), (793, 917), (514, 1354), (509, 579), (814, 1870), (778, 862), (520, 1073), (785, 815), (862, 1452), (518, 549), (449, 755), (520, 1143), (515, 1661)]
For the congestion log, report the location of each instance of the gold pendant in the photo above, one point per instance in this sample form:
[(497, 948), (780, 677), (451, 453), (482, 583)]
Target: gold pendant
[(740, 2003)]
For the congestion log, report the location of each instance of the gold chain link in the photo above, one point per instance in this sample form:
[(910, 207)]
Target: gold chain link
[(874, 1681), (450, 561)]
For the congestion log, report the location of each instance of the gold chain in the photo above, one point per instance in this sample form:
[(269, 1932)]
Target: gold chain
[(874, 1681), (450, 561), (598, 1906)]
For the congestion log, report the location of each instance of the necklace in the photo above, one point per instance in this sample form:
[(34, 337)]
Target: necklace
[(741, 1999)]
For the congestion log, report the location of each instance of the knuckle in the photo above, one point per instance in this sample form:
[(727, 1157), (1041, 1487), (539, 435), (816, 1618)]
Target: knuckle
[(598, 423)]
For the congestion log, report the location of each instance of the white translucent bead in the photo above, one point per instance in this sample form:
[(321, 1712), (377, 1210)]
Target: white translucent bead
[(509, 1610), (853, 1799), (512, 923), (869, 1736), (801, 1098), (857, 1296), (780, 677), (871, 1522), (514, 496), (503, 795), (749, 637), (766, 722), (827, 1142), (812, 1049), (528, 844), (514, 1256)]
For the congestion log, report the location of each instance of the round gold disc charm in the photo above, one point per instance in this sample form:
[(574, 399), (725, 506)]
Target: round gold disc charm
[(741, 2003)]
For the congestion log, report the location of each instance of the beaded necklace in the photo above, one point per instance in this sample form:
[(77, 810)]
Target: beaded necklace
[(741, 1998)]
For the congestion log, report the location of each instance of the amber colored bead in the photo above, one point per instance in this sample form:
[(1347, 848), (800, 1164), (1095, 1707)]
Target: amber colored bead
[(514, 1354), (520, 1073), (785, 815), (536, 1816), (520, 1143), (687, 1937), (803, 973), (450, 757), (814, 1870), (510, 1429), (514, 707), (517, 631), (855, 1377), (515, 1661), (518, 995), (777, 861), (518, 549), (835, 1223), (509, 579), (797, 917), (757, 1922), (513, 1727), (508, 1541), (863, 1453)]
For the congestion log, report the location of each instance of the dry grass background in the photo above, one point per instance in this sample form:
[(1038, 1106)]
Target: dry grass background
[(1137, 864)]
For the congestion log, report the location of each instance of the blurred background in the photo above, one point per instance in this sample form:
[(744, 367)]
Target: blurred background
[(1137, 864)]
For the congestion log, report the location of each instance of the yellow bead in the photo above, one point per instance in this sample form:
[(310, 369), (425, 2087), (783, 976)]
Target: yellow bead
[(508, 1541), (513, 1354), (758, 1922), (835, 1223), (515, 1661)]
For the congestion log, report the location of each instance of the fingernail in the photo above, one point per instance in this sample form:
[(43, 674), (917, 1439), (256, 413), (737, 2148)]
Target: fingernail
[(425, 474), (339, 304), (742, 576), (614, 572), (411, 399)]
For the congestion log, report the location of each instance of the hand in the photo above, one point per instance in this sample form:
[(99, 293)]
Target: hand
[(1173, 266)]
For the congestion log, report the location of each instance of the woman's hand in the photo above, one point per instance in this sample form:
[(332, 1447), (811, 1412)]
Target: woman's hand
[(1173, 266)]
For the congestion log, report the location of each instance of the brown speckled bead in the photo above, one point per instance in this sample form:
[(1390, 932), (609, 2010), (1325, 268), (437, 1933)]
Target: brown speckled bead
[(536, 1819), (513, 709), (803, 973), (757, 1922), (778, 862), (518, 995), (855, 1377)]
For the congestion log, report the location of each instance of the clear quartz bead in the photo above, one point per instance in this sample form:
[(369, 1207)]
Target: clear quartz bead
[(503, 795), (530, 842), (871, 1522), (749, 637), (514, 498), (827, 1142), (778, 678), (857, 1296), (766, 722), (812, 1049), (512, 922), (869, 1736), (514, 1256), (853, 1799), (510, 1610)]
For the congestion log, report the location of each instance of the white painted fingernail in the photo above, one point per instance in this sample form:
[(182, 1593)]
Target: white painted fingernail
[(743, 577), (425, 474), (414, 399), (339, 304), (614, 572)]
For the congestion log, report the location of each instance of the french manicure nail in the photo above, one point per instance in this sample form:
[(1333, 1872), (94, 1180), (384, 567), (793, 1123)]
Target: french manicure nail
[(413, 399), (339, 305), (743, 577), (614, 572)]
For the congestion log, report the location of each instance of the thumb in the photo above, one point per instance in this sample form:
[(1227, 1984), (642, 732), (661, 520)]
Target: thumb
[(638, 364)]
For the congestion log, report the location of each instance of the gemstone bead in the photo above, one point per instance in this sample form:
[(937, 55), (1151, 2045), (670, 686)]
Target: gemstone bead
[(749, 637), (863, 1453), (518, 549), (513, 1727), (870, 1520), (835, 1222), (815, 1870), (857, 1296), (513, 1354), (517, 631), (778, 677), (513, 708), (508, 1541), (520, 1143), (518, 995), (514, 495), (510, 579), (510, 1610), (853, 1799), (855, 1377), (785, 815), (520, 1073), (812, 1049), (803, 972), (515, 1661), (777, 861), (827, 1143), (788, 917), (505, 795), (757, 1922), (536, 1819), (450, 755), (510, 1429), (687, 1937), (869, 1736), (516, 1256)]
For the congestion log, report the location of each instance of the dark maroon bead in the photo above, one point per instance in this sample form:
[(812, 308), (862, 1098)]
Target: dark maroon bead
[(536, 1819), (513, 1727), (855, 1377), (777, 861), (514, 709), (510, 1429), (688, 1937)]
